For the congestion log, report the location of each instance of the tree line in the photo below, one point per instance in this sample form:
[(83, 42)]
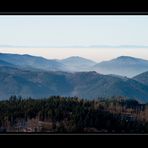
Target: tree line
[(72, 114)]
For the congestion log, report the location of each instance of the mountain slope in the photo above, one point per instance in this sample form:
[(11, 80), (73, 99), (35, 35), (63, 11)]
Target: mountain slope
[(32, 83), (123, 65), (88, 85), (92, 85), (3, 63), (32, 62), (143, 78), (76, 63)]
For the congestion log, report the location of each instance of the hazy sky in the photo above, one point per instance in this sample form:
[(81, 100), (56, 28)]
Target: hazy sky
[(70, 30)]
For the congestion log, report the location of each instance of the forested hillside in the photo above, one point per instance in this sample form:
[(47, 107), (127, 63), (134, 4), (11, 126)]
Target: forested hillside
[(64, 114)]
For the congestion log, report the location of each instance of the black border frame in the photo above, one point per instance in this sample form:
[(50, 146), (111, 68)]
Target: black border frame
[(74, 13), (41, 139)]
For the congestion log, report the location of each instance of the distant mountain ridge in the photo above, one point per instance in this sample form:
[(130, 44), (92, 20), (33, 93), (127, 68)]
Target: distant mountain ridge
[(26, 60), (76, 63), (73, 63), (123, 65)]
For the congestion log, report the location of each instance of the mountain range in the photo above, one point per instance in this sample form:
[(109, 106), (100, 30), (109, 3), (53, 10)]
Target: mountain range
[(123, 65), (89, 85), (31, 76)]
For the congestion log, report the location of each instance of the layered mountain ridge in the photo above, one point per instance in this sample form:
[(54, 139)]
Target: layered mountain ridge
[(30, 76)]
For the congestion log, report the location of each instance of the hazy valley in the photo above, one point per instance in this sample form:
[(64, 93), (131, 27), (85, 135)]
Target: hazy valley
[(31, 76)]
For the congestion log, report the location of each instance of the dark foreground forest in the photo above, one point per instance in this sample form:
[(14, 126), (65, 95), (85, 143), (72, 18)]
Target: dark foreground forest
[(73, 115)]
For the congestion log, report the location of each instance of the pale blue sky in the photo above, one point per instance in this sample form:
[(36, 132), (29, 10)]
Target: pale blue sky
[(70, 30), (75, 31)]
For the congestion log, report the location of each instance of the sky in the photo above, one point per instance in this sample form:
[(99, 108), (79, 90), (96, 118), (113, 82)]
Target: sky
[(61, 32)]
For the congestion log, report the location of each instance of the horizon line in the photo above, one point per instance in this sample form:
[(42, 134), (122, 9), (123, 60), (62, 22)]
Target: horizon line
[(75, 46)]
